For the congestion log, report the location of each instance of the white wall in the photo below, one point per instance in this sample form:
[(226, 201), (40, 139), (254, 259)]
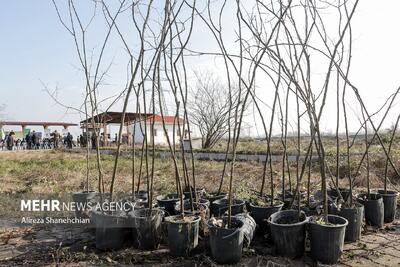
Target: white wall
[(159, 138)]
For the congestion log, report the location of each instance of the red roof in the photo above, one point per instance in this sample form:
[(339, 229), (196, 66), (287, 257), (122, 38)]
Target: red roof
[(167, 119)]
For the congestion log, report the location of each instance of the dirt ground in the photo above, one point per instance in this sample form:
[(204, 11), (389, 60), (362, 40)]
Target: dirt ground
[(56, 245)]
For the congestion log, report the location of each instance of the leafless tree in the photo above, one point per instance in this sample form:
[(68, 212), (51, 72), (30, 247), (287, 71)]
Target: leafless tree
[(210, 109)]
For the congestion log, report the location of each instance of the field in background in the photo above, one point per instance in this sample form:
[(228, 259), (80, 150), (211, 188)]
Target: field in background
[(57, 171)]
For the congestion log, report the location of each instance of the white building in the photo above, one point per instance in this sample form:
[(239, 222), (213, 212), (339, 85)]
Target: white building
[(160, 138)]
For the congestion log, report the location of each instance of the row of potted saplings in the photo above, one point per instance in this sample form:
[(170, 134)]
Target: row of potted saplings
[(206, 216)]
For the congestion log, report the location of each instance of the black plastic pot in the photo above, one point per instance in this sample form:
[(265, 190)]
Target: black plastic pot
[(111, 230), (373, 207), (202, 201), (343, 191), (226, 244), (198, 208), (355, 218), (327, 240), (168, 202), (220, 206), (183, 234), (261, 214), (81, 199), (289, 198), (390, 204), (147, 228), (309, 211), (142, 194), (138, 201), (213, 196), (187, 193), (288, 232)]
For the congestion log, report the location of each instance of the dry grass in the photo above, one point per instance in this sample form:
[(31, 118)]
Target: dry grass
[(57, 171)]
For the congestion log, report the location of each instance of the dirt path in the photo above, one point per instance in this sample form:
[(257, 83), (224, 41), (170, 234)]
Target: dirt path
[(52, 245)]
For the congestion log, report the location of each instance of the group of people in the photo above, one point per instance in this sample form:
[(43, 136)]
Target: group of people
[(34, 141), (8, 141)]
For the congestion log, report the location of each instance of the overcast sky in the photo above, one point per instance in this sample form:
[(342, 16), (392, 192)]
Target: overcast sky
[(35, 48)]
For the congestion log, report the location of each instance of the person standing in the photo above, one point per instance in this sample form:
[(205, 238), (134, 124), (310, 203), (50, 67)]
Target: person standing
[(28, 140), (94, 140), (10, 140), (69, 140), (56, 137), (35, 140), (82, 141)]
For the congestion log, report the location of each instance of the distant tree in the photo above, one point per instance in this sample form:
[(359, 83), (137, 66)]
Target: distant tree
[(209, 107)]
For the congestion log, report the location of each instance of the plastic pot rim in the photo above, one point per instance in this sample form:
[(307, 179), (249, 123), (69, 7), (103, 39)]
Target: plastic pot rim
[(241, 202), (330, 225), (305, 221), (161, 198), (378, 195), (215, 194), (356, 206), (388, 192), (84, 192), (225, 218), (266, 207), (170, 221)]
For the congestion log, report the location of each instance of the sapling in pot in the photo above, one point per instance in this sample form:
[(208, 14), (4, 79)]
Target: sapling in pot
[(325, 227), (262, 208), (183, 228), (350, 210), (389, 196), (91, 104), (373, 202)]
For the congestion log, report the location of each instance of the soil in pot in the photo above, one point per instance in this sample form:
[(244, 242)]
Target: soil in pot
[(200, 209), (168, 202), (183, 234), (226, 244), (220, 206), (355, 217), (288, 231), (327, 239), (81, 199), (373, 208), (146, 227), (261, 210), (390, 204), (111, 230)]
